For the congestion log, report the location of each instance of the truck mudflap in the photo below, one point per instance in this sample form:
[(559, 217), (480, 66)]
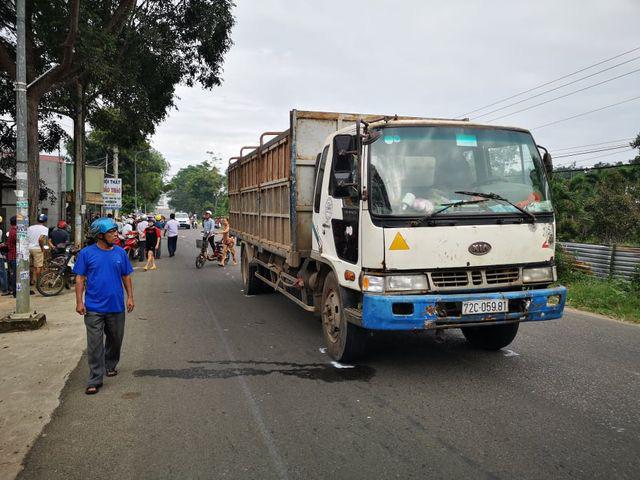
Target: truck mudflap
[(424, 312)]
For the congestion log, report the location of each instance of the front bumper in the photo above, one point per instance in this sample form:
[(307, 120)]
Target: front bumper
[(420, 312)]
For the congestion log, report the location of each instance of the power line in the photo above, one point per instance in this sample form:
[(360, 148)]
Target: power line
[(592, 144), (565, 95), (586, 152), (586, 169), (551, 82), (601, 156), (586, 113), (555, 88)]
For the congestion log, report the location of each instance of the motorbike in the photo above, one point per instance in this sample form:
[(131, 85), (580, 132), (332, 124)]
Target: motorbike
[(130, 244), (58, 276), (204, 255)]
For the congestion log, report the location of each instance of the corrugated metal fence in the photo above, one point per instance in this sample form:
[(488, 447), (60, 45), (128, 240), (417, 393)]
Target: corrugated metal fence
[(604, 260)]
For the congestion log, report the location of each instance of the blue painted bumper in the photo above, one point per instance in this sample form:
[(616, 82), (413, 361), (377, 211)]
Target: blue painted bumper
[(432, 311)]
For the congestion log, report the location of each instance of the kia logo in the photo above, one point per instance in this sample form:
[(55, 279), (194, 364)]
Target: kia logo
[(479, 248)]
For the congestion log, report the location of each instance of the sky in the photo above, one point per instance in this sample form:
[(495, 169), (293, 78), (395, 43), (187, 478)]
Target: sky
[(421, 58)]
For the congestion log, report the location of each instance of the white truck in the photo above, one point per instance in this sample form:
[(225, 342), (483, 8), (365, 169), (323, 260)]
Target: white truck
[(396, 223)]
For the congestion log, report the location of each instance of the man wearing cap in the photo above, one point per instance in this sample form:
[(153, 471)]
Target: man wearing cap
[(102, 269), (37, 236)]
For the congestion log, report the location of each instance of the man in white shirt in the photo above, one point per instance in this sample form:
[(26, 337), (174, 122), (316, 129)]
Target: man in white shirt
[(127, 227), (141, 227), (37, 245), (171, 232)]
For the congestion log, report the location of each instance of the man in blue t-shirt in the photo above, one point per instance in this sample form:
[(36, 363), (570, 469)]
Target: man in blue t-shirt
[(103, 269)]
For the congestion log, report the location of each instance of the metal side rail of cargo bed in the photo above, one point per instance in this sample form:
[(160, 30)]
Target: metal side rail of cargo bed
[(426, 312), (282, 284)]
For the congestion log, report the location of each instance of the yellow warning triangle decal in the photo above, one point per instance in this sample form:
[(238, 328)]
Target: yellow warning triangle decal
[(399, 243)]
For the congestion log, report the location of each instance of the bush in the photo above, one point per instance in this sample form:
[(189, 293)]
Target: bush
[(635, 279), (566, 265)]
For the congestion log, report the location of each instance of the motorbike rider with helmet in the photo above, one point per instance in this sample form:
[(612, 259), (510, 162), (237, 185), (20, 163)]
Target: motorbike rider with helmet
[(208, 229)]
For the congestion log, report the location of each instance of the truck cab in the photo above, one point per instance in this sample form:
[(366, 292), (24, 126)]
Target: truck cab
[(432, 224)]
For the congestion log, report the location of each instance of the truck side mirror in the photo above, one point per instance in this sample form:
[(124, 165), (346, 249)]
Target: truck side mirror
[(344, 167), (548, 163)]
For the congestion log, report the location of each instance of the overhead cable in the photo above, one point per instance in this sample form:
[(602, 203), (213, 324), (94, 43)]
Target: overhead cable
[(586, 113), (556, 88), (629, 139), (551, 82), (565, 95)]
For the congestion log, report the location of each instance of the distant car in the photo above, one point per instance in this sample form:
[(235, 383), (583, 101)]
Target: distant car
[(183, 220)]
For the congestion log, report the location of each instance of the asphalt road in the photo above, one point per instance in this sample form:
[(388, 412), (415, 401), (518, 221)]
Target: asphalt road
[(214, 384)]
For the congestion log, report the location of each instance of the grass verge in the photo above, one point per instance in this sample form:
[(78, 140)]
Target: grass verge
[(614, 298)]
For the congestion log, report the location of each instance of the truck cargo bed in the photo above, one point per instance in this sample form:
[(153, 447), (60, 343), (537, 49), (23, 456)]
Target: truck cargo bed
[(271, 187)]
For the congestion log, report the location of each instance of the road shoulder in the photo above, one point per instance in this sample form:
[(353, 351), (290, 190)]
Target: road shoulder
[(35, 366)]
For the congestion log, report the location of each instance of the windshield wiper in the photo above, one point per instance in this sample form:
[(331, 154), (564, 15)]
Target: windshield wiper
[(447, 206), (495, 196)]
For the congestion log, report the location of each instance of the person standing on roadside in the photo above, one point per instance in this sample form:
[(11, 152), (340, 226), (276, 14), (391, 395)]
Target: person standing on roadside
[(102, 269), (37, 236), (171, 232), (141, 227)]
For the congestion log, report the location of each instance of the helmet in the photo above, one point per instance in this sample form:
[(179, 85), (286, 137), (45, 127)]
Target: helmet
[(158, 217), (102, 225), (42, 218), (208, 212), (129, 221), (150, 218), (62, 224), (0, 218)]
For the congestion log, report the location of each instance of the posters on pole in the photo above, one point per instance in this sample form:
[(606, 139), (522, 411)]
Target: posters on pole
[(112, 193)]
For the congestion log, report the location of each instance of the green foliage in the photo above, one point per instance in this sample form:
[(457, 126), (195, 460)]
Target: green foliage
[(598, 206), (197, 188)]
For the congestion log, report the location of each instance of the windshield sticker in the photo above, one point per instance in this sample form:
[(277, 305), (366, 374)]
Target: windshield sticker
[(389, 139), (463, 140)]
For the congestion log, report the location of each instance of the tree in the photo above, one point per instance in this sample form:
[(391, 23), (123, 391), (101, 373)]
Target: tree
[(199, 187), (126, 57)]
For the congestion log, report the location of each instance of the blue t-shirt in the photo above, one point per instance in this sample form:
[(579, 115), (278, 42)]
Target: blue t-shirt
[(104, 270)]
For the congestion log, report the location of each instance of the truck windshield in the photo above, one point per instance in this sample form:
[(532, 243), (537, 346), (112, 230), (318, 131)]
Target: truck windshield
[(414, 171)]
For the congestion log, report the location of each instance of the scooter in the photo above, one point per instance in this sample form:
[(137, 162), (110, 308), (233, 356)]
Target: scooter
[(204, 255)]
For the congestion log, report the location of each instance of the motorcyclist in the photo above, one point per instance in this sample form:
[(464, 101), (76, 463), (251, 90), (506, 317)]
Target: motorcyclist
[(208, 229)]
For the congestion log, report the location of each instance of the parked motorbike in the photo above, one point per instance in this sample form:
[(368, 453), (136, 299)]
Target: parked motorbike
[(130, 244), (204, 255), (55, 278)]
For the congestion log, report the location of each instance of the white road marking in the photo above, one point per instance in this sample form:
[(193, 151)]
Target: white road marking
[(509, 353), (340, 365)]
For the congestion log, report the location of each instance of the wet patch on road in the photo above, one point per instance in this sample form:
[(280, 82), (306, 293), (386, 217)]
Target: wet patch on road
[(307, 371)]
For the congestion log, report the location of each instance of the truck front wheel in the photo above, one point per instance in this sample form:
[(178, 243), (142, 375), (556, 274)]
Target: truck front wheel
[(491, 337), (345, 342), (252, 284)]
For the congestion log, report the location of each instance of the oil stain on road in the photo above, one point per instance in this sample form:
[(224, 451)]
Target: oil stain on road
[(248, 368)]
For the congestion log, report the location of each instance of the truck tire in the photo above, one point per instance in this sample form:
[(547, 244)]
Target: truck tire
[(491, 337), (252, 284), (345, 342)]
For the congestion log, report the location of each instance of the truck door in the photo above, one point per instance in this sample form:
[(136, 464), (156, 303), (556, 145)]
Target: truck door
[(336, 204)]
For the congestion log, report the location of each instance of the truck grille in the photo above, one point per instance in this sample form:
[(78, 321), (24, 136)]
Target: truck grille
[(452, 279)]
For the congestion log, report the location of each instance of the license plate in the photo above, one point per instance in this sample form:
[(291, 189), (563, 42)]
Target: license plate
[(478, 307)]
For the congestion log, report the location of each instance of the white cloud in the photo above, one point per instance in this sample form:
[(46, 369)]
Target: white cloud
[(425, 58)]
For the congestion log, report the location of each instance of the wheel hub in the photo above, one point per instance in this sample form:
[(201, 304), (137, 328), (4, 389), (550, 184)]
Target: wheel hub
[(331, 317)]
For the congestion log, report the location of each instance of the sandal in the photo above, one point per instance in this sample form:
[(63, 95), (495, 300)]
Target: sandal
[(112, 373), (92, 390)]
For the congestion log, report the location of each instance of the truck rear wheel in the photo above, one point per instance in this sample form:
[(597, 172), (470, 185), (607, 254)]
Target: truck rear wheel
[(491, 337), (345, 342), (252, 284)]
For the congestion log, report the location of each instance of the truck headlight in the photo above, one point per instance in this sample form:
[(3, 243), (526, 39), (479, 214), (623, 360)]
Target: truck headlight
[(373, 284), (538, 275), (397, 283)]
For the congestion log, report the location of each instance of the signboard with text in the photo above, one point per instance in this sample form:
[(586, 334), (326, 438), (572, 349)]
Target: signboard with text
[(112, 193)]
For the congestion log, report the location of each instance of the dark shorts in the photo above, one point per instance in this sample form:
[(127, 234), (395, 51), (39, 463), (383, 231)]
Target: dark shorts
[(149, 249)]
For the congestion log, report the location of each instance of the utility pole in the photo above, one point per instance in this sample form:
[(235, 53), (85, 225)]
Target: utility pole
[(116, 212), (22, 319), (78, 165)]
